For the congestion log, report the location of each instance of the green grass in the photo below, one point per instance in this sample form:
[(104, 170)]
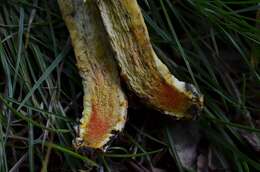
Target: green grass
[(213, 44)]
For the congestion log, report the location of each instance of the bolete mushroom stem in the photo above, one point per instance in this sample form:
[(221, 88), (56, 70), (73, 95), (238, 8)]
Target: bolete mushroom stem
[(108, 36), (141, 69), (105, 105)]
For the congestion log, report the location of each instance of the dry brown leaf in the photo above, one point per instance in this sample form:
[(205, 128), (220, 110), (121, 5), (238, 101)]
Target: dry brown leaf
[(186, 137)]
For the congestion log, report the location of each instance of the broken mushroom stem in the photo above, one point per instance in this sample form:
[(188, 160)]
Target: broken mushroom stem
[(110, 41)]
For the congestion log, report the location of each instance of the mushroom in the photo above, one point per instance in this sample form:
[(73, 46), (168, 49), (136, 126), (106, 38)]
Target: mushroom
[(105, 105), (110, 41)]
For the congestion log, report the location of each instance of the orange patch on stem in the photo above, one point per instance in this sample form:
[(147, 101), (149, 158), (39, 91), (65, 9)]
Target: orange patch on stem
[(172, 99), (98, 126)]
